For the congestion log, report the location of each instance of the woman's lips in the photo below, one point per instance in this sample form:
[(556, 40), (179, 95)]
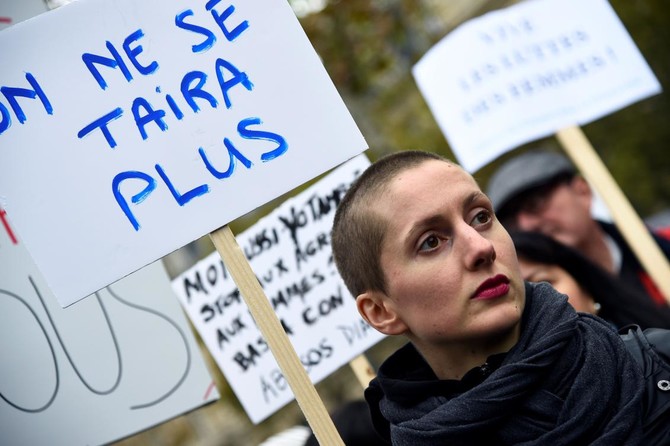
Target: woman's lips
[(492, 288)]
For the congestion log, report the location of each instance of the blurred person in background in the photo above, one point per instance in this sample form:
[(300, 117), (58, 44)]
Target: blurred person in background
[(541, 191), (589, 288)]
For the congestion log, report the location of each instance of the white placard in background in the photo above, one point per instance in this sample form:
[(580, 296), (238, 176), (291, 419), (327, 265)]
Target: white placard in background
[(289, 250), (524, 72), (129, 129), (108, 367)]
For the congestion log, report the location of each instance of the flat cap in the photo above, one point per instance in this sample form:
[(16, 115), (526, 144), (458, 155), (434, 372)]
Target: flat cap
[(525, 172)]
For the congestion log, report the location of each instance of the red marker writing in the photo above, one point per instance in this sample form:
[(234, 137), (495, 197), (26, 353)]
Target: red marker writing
[(5, 223)]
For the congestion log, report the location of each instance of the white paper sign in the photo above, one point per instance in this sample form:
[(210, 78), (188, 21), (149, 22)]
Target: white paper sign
[(108, 367), (131, 128), (525, 72), (289, 250)]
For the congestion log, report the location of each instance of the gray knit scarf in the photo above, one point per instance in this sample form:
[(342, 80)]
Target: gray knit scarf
[(579, 358)]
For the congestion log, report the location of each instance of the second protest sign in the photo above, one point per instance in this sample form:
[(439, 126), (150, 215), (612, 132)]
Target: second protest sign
[(289, 250)]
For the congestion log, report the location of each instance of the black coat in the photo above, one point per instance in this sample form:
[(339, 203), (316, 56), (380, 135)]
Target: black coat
[(651, 351), (550, 388)]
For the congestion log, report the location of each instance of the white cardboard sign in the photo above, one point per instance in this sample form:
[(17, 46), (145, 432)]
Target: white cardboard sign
[(289, 250), (524, 72), (129, 129), (122, 361)]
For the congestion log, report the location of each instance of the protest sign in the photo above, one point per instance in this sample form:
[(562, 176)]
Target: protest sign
[(129, 129), (524, 72), (105, 368), (289, 251)]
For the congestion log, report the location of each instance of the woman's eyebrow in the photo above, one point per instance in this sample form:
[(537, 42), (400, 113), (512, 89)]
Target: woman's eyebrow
[(436, 219), (421, 225), (473, 197)]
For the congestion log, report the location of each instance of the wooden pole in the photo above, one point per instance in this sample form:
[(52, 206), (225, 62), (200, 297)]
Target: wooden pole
[(362, 369), (629, 223), (268, 323)]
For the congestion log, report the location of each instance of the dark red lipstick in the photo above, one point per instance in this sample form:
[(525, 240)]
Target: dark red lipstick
[(492, 288)]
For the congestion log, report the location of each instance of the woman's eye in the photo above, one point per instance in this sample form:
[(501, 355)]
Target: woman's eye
[(482, 218), (431, 242)]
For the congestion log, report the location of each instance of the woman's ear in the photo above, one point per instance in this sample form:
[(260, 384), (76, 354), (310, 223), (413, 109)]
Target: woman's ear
[(378, 311)]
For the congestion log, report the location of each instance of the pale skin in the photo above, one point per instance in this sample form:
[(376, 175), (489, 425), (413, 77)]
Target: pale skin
[(565, 215), (453, 284), (561, 280)]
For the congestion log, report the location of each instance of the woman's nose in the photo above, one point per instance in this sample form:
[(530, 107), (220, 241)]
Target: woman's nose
[(479, 250)]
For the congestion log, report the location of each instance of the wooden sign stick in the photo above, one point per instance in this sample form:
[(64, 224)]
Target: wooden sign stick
[(629, 223), (362, 369), (268, 323)]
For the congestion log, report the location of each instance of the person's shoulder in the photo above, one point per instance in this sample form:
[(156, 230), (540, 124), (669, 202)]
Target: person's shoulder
[(659, 341), (650, 349), (650, 341), (660, 234)]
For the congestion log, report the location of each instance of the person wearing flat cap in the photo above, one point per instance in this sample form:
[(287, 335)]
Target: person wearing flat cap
[(541, 191)]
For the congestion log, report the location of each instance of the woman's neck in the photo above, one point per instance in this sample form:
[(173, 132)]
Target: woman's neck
[(454, 360)]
